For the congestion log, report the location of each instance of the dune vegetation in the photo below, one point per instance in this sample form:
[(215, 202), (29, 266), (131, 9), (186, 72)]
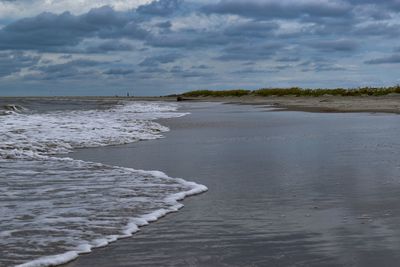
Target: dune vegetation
[(296, 91)]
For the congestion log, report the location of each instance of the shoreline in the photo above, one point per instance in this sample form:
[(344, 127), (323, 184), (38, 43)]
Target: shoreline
[(319, 104), (279, 207), (323, 104)]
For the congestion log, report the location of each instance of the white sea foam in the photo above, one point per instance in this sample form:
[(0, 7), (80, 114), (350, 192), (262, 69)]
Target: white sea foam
[(30, 135), (53, 209)]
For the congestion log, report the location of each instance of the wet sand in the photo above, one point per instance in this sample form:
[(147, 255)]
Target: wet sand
[(285, 189)]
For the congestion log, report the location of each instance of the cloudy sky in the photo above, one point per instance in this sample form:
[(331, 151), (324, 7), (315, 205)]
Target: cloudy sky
[(108, 47)]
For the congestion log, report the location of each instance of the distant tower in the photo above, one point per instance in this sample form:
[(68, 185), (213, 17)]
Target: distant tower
[(127, 94)]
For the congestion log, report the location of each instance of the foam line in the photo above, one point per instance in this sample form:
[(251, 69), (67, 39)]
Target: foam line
[(132, 227)]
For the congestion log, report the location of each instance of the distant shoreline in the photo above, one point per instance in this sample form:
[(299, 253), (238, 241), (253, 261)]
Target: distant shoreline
[(375, 104), (324, 104)]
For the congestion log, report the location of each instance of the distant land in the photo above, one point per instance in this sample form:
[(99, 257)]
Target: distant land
[(297, 91), (365, 99)]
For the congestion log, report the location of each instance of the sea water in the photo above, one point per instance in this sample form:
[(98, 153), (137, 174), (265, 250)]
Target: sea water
[(54, 208)]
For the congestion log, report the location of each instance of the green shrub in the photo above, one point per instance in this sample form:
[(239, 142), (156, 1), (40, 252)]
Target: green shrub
[(197, 93), (296, 91)]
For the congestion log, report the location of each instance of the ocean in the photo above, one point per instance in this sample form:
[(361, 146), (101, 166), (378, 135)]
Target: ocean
[(53, 207)]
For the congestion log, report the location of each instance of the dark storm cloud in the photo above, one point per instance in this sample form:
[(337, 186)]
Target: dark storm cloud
[(51, 32), (250, 52), (372, 11), (251, 29), (190, 39), (335, 45), (288, 59), (152, 70), (131, 30), (46, 31), (201, 67), (203, 38), (178, 71), (65, 57), (68, 69), (13, 62), (109, 46), (164, 25), (178, 40), (327, 67), (161, 59), (282, 67), (279, 9), (160, 7), (341, 18), (379, 29), (319, 65), (391, 4), (252, 71), (119, 71), (70, 64), (392, 59)]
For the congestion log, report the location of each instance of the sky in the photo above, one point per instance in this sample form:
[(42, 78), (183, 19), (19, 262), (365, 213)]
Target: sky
[(144, 47)]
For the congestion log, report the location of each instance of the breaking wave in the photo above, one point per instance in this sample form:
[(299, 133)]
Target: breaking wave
[(53, 209)]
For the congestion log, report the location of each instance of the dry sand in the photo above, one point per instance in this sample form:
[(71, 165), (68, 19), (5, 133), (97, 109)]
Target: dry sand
[(386, 104)]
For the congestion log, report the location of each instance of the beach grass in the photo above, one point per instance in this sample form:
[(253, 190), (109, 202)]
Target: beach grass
[(296, 91), (238, 92)]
